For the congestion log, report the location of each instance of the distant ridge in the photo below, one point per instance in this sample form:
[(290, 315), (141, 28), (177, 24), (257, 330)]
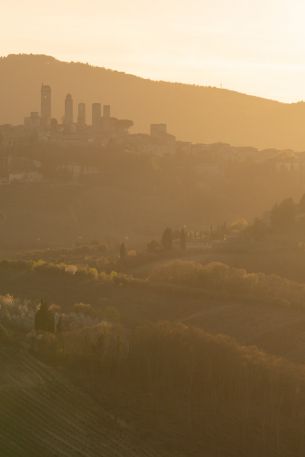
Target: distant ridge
[(193, 113)]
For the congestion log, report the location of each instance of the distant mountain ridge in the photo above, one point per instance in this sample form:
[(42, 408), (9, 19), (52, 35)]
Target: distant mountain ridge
[(193, 113)]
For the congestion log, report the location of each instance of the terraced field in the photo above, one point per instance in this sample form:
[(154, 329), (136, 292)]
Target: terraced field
[(43, 415)]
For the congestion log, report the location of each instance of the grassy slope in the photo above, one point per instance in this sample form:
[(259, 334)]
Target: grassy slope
[(43, 415)]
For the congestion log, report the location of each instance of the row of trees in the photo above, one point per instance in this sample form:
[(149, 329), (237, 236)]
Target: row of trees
[(203, 394), (168, 239)]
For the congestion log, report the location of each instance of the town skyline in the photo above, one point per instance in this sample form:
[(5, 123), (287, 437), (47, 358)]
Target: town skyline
[(216, 114)]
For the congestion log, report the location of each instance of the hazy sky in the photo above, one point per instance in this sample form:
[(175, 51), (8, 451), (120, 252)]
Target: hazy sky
[(255, 46)]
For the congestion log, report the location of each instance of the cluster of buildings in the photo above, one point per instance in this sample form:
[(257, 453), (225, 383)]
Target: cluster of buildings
[(74, 122), (80, 128), (77, 128), (100, 127)]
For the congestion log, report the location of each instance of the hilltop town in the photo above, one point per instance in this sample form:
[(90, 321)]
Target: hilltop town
[(87, 174), (77, 133), (200, 114), (103, 126), (102, 131)]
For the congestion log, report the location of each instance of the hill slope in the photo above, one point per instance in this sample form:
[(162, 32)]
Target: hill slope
[(199, 114), (42, 414)]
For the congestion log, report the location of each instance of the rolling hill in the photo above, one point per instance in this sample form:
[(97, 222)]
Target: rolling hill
[(167, 389), (43, 414), (194, 113)]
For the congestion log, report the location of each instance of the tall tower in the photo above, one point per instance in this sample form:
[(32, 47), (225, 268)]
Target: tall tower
[(45, 105), (96, 115), (81, 115), (106, 111), (68, 120)]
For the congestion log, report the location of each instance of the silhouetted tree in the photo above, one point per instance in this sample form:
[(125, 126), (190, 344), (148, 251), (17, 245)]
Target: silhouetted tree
[(257, 231), (284, 214), (123, 251), (182, 238), (153, 246), (167, 239), (59, 326), (44, 319), (302, 204)]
